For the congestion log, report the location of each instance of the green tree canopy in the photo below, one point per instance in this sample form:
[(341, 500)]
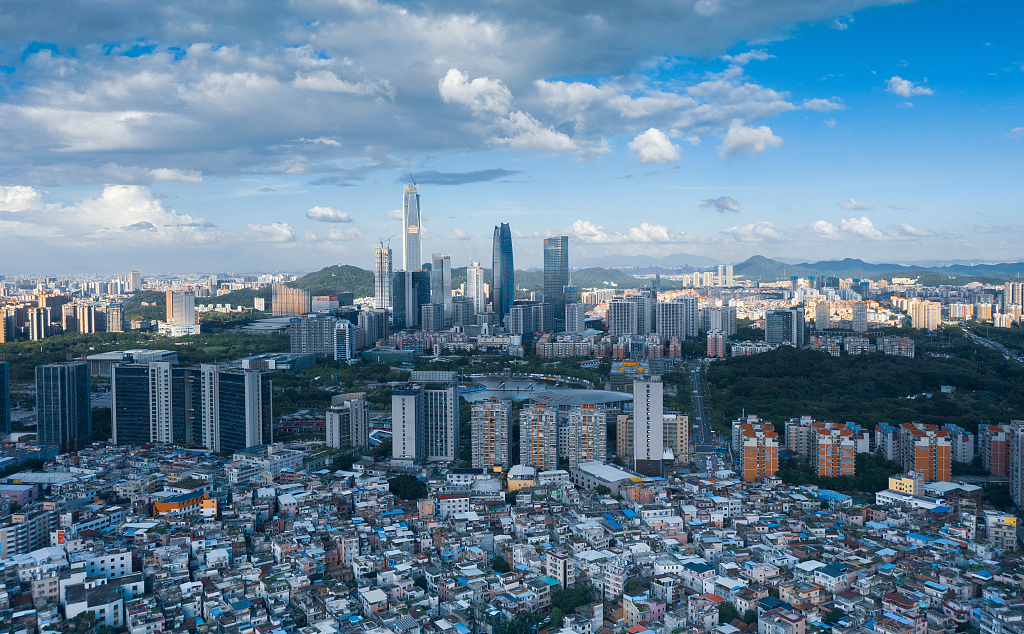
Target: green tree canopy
[(407, 487)]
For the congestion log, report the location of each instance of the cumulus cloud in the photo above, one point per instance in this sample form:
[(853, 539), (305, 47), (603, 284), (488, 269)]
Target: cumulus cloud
[(907, 230), (460, 234), (589, 232), (481, 95), (1016, 133), (905, 88), (824, 229), (822, 105), (19, 197), (851, 205), (273, 232), (326, 214), (721, 204), (862, 227), (166, 175), (653, 146), (755, 232), (741, 138), (523, 132)]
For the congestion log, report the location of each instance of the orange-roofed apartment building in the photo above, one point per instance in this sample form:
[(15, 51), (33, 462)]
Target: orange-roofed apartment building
[(836, 450), (926, 448), (760, 451)]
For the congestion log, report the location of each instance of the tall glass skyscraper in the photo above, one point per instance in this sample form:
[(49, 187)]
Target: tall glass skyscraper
[(556, 273), (503, 284), (63, 406), (441, 282), (411, 257)]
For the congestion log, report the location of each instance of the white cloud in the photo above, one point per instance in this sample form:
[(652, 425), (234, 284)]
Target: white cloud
[(862, 227), (588, 232), (1016, 133), (745, 58), (831, 123), (825, 229), (352, 233), (482, 95), (274, 232), (907, 230), (905, 88), (326, 81), (707, 8), (394, 214), (166, 175), (653, 146), (721, 204), (524, 132), (852, 204), (460, 234), (755, 232), (822, 105), (19, 197), (326, 214), (321, 141), (741, 138)]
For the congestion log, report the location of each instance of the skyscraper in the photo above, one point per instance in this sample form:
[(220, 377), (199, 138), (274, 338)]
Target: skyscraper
[(408, 423), (441, 405), (236, 408), (475, 287), (441, 282), (63, 407), (156, 402), (134, 281), (5, 393), (503, 283), (382, 274), (784, 325), (556, 273), (648, 425), (411, 258), (410, 290), (491, 423)]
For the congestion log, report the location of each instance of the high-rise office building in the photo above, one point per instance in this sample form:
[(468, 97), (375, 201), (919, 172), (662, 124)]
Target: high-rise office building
[(156, 402), (408, 423), (344, 340), (236, 408), (648, 425), (475, 287), (134, 281), (410, 290), (441, 282), (288, 302), (382, 275), (588, 434), (784, 325), (432, 317), (491, 424), (181, 308), (503, 273), (576, 317), (411, 229), (5, 394), (374, 324), (63, 405), (556, 273), (538, 436), (462, 311), (347, 423), (313, 333)]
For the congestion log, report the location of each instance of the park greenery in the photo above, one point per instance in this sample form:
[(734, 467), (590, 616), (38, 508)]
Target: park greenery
[(408, 487), (868, 389), (872, 474)]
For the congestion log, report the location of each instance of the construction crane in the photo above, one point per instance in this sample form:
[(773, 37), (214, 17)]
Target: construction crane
[(388, 239)]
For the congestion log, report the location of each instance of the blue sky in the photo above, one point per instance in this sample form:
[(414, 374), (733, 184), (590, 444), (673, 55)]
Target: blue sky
[(257, 137)]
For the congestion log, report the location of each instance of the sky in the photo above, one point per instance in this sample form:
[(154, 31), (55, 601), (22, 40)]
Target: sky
[(269, 136)]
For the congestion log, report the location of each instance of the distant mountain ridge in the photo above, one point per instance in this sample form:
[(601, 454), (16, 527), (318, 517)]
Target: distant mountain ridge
[(760, 268)]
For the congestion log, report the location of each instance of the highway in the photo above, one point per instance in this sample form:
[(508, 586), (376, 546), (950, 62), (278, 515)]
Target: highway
[(704, 454), (995, 345)]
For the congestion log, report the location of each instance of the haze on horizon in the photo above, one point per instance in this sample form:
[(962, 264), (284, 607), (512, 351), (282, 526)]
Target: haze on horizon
[(198, 137)]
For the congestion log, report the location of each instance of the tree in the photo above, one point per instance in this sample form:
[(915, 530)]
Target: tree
[(633, 584), (407, 487), (773, 591), (834, 615), (421, 582), (603, 490), (510, 498), (750, 616), (727, 612), (557, 616), (500, 564)]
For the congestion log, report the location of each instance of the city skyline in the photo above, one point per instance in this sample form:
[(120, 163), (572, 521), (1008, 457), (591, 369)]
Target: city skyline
[(824, 129)]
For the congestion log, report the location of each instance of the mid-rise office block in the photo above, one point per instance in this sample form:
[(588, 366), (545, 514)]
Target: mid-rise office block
[(462, 312), (236, 408), (313, 333), (382, 276), (491, 433), (784, 326), (994, 447), (538, 436), (181, 308), (432, 317), (348, 421), (63, 405), (588, 434), (286, 301), (556, 273), (374, 324), (760, 445), (648, 425)]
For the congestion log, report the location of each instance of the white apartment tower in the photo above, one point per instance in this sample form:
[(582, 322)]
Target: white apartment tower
[(648, 425), (475, 287), (382, 274)]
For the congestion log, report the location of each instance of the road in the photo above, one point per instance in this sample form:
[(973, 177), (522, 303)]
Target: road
[(703, 436), (995, 345)]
